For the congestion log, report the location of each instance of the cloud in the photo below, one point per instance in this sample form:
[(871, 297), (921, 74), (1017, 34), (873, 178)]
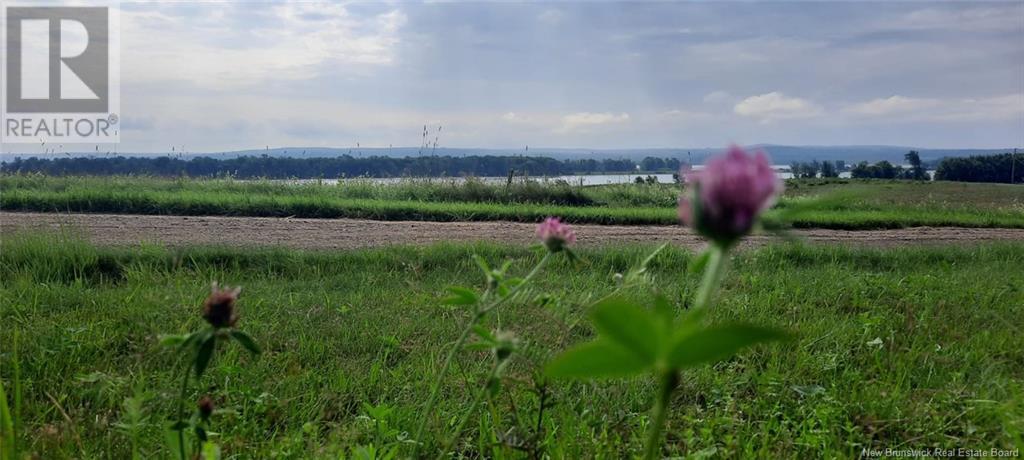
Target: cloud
[(225, 46), (680, 115), (513, 117), (902, 108), (776, 106), (989, 18), (506, 73), (891, 105), (581, 121)]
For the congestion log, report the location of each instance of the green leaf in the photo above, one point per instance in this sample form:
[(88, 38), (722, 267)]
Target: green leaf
[(173, 340), (484, 267), (647, 260), (689, 321), (484, 334), (664, 308), (192, 339), (629, 325), (480, 262), (479, 346), (596, 359), (493, 386), (461, 296), (177, 450), (204, 354), (211, 451), (718, 342), (700, 262), (246, 341), (7, 435)]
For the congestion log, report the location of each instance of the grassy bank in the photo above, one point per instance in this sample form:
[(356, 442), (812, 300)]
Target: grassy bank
[(823, 203), (896, 347)]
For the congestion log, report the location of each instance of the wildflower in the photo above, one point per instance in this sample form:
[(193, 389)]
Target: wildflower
[(728, 194), (219, 307), (505, 343), (205, 407), (555, 235)]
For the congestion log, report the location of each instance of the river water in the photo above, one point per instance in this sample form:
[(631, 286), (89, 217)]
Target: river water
[(582, 179)]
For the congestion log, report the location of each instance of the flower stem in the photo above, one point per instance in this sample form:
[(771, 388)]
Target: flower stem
[(432, 399), (181, 411), (495, 371), (668, 381), (712, 277)]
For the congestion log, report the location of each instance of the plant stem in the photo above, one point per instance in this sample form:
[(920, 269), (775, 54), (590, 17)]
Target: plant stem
[(666, 385), (515, 290), (181, 411), (444, 370), (668, 380), (472, 408), (432, 399), (712, 277)]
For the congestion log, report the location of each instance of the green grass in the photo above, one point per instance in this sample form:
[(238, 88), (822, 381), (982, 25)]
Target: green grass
[(840, 204), (897, 347)]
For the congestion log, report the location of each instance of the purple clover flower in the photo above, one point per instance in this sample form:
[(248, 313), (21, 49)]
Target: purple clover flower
[(555, 235), (728, 194)]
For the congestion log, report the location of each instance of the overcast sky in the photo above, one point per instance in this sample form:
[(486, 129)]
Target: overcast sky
[(223, 76)]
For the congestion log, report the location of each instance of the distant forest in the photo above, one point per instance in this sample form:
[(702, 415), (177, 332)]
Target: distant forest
[(987, 168), (1006, 167), (251, 167)]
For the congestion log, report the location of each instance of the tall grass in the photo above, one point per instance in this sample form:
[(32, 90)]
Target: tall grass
[(838, 204), (896, 344)]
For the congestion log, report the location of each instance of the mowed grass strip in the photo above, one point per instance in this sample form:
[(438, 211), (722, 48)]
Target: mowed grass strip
[(839, 204), (895, 346), (190, 203)]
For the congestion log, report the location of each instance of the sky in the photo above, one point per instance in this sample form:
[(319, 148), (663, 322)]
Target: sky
[(211, 77)]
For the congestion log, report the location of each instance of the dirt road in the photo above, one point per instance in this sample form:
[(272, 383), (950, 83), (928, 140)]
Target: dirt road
[(353, 233)]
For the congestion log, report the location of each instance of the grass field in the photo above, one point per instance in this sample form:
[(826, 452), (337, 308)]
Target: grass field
[(842, 204), (897, 348)]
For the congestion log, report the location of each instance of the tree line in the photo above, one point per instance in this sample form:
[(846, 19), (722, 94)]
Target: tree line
[(885, 170), (248, 167), (1003, 168), (814, 168)]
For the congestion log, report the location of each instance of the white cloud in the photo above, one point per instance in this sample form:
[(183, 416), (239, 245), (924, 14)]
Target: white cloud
[(891, 105), (902, 108), (293, 42), (680, 115), (513, 117), (776, 106), (581, 121)]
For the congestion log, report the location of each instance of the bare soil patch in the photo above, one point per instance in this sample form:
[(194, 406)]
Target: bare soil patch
[(117, 229)]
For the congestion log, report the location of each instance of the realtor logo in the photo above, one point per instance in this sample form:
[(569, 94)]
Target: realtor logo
[(61, 75)]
